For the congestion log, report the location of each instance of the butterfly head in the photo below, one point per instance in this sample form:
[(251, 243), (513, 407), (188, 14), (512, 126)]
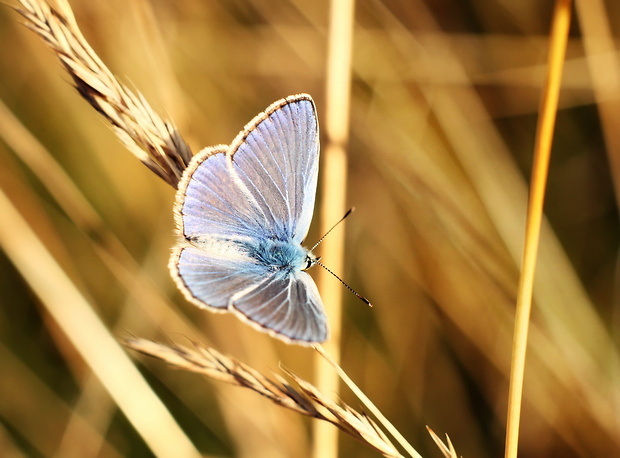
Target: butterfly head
[(311, 260)]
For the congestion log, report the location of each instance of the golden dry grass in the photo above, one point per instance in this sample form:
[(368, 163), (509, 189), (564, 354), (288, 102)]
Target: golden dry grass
[(444, 101), (306, 399)]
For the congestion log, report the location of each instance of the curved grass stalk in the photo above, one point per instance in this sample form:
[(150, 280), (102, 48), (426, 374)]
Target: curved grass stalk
[(153, 140), (369, 405)]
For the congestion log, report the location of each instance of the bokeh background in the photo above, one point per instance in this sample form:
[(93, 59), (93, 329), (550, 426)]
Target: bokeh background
[(445, 96)]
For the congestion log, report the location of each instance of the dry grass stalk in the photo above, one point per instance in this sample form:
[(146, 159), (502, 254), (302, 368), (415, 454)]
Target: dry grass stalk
[(152, 139), (307, 400), (540, 171), (334, 185), (372, 408)]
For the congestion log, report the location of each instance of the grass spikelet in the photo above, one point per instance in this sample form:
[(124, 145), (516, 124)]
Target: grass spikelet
[(356, 424), (306, 400), (153, 140), (447, 449)]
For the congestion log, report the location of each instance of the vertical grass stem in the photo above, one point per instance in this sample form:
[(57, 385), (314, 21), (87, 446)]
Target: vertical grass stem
[(333, 192), (542, 153)]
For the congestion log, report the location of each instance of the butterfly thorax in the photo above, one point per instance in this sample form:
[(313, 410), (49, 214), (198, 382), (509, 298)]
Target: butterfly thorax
[(280, 255)]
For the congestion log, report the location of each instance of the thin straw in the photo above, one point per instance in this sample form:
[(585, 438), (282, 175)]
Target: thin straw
[(333, 190), (546, 123), (369, 404)]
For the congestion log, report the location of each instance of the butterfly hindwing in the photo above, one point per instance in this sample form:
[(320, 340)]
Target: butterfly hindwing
[(209, 278), (288, 305)]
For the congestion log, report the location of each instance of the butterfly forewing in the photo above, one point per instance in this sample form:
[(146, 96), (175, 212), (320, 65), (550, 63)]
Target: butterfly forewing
[(209, 203), (276, 160)]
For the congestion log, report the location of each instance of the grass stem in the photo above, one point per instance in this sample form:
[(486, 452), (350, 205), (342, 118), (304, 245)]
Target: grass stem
[(542, 153), (333, 190), (369, 404)]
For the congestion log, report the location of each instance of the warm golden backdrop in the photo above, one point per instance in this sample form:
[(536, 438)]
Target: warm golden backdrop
[(444, 104)]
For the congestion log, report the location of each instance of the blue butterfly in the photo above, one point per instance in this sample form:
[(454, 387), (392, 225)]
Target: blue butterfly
[(242, 212)]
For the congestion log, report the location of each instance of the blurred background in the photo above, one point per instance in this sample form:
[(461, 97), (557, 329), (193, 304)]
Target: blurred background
[(445, 96)]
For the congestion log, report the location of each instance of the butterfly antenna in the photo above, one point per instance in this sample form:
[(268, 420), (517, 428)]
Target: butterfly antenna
[(362, 298), (332, 228)]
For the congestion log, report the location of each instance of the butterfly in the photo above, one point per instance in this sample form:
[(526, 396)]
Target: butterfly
[(242, 212)]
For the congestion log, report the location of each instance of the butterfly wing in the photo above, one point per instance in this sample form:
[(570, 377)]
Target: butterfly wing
[(285, 305), (275, 159), (209, 278), (265, 184), (210, 204)]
